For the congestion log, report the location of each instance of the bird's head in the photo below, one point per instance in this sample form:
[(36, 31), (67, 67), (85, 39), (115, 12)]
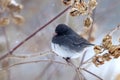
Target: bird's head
[(63, 29)]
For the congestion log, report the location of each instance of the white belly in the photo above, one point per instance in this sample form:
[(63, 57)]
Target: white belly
[(64, 52)]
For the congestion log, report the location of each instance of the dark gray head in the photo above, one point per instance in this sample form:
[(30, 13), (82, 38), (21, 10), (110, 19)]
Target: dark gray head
[(63, 29)]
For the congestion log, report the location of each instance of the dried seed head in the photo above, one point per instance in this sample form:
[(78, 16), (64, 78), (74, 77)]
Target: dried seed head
[(107, 37), (98, 60), (117, 54), (114, 50), (4, 21), (97, 49), (74, 12), (81, 6), (66, 2), (17, 19), (117, 77), (106, 57), (15, 8), (78, 8), (4, 3), (92, 4), (88, 21), (107, 42)]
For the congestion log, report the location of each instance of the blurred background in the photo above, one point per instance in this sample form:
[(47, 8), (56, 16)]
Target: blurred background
[(38, 12)]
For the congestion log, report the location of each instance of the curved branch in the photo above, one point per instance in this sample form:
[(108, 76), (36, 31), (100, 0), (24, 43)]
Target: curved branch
[(34, 33), (35, 61)]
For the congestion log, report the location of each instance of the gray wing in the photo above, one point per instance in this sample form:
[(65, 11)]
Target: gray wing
[(73, 42)]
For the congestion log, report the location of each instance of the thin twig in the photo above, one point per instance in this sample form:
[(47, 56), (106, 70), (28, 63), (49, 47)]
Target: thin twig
[(6, 38), (44, 71), (113, 30), (78, 73), (51, 74), (76, 69), (83, 76), (35, 61), (83, 57), (32, 55), (75, 77), (34, 33), (8, 49), (92, 74), (87, 60)]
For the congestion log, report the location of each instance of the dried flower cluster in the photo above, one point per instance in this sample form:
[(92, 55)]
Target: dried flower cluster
[(88, 22), (12, 9), (106, 51), (80, 7)]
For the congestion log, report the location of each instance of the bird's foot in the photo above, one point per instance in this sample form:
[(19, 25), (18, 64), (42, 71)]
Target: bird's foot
[(67, 59)]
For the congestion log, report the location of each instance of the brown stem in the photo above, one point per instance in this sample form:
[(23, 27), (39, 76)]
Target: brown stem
[(34, 33), (80, 1), (92, 26)]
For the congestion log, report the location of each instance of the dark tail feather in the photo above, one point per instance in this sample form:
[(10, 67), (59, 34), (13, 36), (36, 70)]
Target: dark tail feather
[(90, 44)]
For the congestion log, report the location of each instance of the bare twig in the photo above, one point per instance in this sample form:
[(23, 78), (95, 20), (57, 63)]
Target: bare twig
[(76, 69), (78, 73), (32, 55), (34, 33), (35, 61), (83, 57), (92, 74), (6, 62), (44, 70), (87, 60), (83, 77), (6, 38), (76, 78), (53, 72), (115, 29)]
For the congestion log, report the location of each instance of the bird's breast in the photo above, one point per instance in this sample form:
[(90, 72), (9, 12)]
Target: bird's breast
[(64, 51)]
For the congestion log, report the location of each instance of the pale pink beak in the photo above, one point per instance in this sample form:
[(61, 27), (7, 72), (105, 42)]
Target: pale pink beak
[(54, 34)]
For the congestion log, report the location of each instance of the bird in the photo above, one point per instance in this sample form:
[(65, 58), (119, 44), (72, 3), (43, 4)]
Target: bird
[(67, 43)]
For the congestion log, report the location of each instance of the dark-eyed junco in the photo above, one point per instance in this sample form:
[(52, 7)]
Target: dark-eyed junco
[(67, 43)]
